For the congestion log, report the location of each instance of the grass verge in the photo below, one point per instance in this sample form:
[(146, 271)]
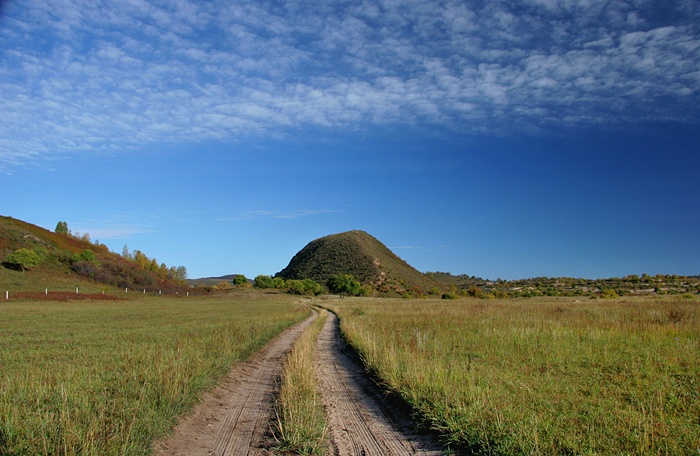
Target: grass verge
[(111, 377), (540, 376), (301, 425)]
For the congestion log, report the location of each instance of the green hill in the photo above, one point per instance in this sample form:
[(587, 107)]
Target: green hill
[(33, 259), (364, 257)]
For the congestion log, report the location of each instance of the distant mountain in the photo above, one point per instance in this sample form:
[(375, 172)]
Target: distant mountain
[(364, 257), (210, 281), (60, 259)]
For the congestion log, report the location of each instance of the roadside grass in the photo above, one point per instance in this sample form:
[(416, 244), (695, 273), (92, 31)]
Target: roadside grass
[(111, 377), (540, 376), (301, 424)]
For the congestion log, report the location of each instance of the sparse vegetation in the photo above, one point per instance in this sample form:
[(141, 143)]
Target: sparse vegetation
[(540, 376)]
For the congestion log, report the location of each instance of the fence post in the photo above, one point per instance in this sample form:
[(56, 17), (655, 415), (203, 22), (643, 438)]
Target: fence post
[(76, 290)]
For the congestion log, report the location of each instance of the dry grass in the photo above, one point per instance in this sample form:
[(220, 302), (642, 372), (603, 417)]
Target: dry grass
[(301, 420), (101, 378), (540, 376)]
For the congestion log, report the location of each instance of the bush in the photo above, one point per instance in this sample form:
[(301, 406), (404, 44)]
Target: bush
[(263, 281), (239, 280), (24, 259), (609, 294), (344, 284)]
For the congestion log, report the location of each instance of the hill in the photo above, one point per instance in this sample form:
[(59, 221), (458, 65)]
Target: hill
[(33, 259), (567, 286), (210, 281), (364, 257)]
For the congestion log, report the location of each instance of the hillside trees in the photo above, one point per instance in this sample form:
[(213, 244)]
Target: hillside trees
[(62, 228), (178, 273)]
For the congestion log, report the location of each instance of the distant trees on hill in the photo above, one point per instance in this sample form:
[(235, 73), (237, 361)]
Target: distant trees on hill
[(178, 273), (612, 288)]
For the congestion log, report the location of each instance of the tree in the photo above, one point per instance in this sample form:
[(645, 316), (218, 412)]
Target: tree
[(181, 273), (296, 287), (24, 258), (62, 228), (311, 286), (344, 284), (263, 281), (85, 255), (240, 280)]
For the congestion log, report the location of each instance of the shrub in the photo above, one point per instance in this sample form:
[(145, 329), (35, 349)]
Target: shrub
[(263, 281), (344, 284), (24, 259)]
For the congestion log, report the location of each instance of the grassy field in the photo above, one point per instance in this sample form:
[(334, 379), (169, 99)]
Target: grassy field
[(109, 377), (540, 376), (301, 427)]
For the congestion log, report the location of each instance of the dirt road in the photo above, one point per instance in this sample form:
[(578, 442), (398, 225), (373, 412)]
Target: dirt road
[(236, 418), (361, 422)]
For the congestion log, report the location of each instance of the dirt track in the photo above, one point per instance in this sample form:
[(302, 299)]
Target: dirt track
[(236, 418), (360, 421)]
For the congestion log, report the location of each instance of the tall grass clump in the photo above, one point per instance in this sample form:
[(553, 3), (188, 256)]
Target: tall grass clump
[(545, 376), (110, 377), (301, 425)]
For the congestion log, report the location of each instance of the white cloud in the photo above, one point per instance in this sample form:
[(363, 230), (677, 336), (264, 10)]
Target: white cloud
[(94, 76), (284, 215)]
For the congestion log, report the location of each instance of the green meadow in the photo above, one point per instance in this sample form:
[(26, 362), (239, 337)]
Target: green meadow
[(111, 377), (540, 376)]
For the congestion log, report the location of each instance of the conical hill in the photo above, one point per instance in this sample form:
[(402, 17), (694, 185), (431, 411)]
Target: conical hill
[(361, 255)]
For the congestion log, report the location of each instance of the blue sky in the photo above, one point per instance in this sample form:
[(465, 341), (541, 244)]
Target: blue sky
[(493, 138)]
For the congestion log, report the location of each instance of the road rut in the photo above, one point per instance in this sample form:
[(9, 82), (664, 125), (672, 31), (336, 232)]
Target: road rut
[(235, 419), (360, 422)]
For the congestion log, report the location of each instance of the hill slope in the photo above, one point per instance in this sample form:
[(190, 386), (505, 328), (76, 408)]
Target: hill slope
[(364, 257), (66, 261)]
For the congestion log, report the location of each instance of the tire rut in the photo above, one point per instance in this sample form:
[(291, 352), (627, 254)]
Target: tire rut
[(234, 419), (360, 423)]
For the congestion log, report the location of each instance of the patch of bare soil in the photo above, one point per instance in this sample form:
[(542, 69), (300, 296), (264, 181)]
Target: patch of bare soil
[(360, 420), (235, 418)]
